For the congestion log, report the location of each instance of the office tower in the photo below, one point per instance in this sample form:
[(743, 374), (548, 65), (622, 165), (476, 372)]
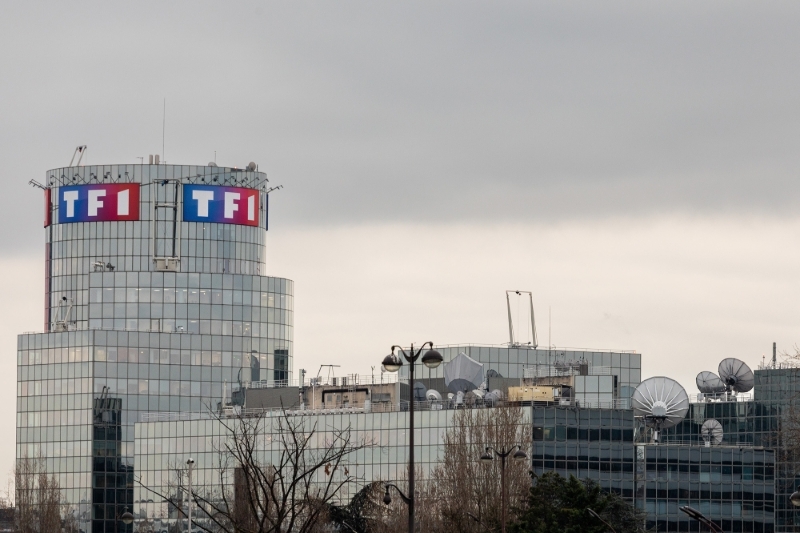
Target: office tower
[(156, 300)]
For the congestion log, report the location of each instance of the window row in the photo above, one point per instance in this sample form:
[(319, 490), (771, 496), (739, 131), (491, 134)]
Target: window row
[(189, 296), (204, 327)]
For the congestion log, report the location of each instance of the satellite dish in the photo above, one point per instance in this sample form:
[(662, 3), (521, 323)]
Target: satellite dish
[(736, 375), (661, 402), (479, 393), (463, 374), (433, 395), (251, 166), (709, 383), (493, 397), (711, 431), (419, 392), (212, 164), (492, 373)]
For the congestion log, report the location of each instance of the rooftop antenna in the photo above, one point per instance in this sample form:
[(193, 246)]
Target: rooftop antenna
[(330, 369), (712, 433), (164, 132), (661, 402), (512, 342), (79, 150), (774, 354), (709, 383), (736, 375)]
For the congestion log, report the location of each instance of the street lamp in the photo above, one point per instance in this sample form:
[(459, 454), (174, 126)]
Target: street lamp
[(597, 516), (392, 363), (697, 515), (487, 458), (795, 498), (126, 517), (190, 464)]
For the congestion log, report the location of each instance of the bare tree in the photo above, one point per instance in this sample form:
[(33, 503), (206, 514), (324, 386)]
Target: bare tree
[(274, 474), (461, 494), (38, 497)]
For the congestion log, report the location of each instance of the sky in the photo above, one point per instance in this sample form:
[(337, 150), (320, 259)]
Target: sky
[(632, 164)]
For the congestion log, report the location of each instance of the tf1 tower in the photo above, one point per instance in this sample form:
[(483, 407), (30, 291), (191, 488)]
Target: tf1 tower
[(156, 296)]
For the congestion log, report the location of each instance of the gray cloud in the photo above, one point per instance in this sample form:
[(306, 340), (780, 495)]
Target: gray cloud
[(405, 112)]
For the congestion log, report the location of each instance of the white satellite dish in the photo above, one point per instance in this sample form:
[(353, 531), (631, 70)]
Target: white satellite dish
[(433, 395), (736, 375), (463, 374), (709, 383), (711, 431), (493, 397), (661, 402), (251, 166)]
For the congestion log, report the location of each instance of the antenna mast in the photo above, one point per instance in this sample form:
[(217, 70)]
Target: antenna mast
[(534, 340)]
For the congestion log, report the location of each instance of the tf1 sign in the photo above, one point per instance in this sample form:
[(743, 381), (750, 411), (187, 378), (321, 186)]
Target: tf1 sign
[(223, 205), (103, 202)]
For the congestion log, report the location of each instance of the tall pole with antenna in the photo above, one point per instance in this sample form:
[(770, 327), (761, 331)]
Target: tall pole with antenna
[(164, 133)]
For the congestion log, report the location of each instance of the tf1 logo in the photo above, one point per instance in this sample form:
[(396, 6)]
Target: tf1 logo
[(223, 205), (98, 203)]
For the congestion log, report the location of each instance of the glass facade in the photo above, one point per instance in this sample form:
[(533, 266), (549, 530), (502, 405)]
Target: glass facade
[(124, 335), (161, 445), (588, 443), (610, 377), (755, 421), (734, 486)]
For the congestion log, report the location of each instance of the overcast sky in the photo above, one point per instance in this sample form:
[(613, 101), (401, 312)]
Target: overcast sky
[(632, 163)]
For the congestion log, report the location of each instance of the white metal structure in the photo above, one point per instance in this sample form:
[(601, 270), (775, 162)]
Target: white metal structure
[(512, 342), (709, 383), (660, 402), (711, 431), (736, 375)]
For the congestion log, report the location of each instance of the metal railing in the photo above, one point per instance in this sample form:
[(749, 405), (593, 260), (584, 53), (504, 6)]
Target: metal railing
[(351, 380), (371, 407), (547, 371), (721, 397)]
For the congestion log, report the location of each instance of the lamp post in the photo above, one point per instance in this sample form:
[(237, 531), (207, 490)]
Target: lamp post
[(392, 363), (487, 457), (190, 464), (697, 515), (795, 498), (126, 517), (597, 516)]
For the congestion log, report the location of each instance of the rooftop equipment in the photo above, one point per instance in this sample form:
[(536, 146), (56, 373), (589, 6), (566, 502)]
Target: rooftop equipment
[(512, 342), (660, 402), (736, 375), (711, 431), (709, 383), (463, 374)]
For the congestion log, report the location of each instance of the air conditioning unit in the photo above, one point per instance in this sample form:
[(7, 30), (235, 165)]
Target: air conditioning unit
[(167, 264)]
